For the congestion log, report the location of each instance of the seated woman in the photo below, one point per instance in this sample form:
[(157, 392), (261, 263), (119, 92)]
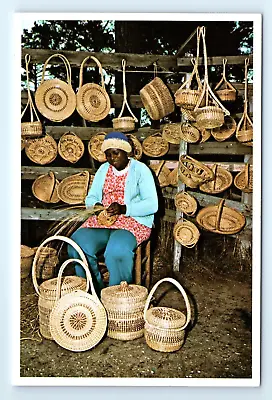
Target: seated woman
[(126, 188)]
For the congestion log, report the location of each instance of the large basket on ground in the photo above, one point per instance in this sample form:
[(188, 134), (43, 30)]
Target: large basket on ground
[(136, 146), (185, 203), (78, 320), (92, 100), (244, 179), (47, 262), (74, 188), (193, 172), (55, 98), (224, 89), (43, 150), (155, 145), (27, 255), (222, 181), (221, 219), (186, 233), (48, 289), (70, 147), (162, 173), (94, 147), (125, 308), (164, 328), (172, 133), (225, 131), (45, 187)]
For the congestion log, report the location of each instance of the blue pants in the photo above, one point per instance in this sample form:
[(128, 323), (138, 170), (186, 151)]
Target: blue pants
[(119, 245)]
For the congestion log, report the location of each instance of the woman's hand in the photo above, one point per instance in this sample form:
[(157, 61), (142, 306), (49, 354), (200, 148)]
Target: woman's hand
[(116, 209)]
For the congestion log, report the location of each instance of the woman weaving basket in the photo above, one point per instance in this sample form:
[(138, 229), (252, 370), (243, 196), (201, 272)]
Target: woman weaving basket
[(126, 189)]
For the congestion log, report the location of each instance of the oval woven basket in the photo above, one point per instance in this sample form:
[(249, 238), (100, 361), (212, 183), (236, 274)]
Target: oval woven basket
[(123, 124), (125, 308), (164, 328), (192, 172), (47, 262), (48, 289), (78, 320), (186, 233), (70, 147), (188, 115), (173, 177), (155, 145), (222, 181), (74, 188), (244, 179), (104, 219), (31, 129), (162, 173), (27, 255), (189, 133), (42, 150), (94, 147), (44, 188), (225, 131), (157, 99), (172, 133), (186, 203), (221, 219), (136, 146), (209, 117)]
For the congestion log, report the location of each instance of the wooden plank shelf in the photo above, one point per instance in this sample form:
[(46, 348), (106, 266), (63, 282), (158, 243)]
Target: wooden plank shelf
[(232, 60), (32, 173)]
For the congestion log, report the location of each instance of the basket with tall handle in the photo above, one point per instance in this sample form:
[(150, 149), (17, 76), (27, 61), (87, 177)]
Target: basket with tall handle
[(224, 89)]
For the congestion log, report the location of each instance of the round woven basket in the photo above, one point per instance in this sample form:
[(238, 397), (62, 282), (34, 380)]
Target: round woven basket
[(189, 133), (42, 150), (162, 173), (157, 99), (186, 203), (173, 177), (136, 146), (92, 100), (74, 188), (222, 181), (224, 89), (155, 145), (221, 219), (172, 133), (44, 188), (48, 289), (244, 179), (164, 328), (104, 219), (46, 263), (186, 233), (31, 129), (226, 130), (123, 124), (78, 320), (94, 147), (125, 308), (209, 117), (27, 255), (70, 147), (193, 173)]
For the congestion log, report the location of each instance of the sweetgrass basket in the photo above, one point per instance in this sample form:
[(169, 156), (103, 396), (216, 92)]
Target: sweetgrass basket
[(70, 147), (155, 145), (47, 262), (222, 181), (73, 189), (164, 328), (193, 172), (185, 203), (224, 89), (162, 173), (105, 219), (42, 150), (94, 147), (27, 255), (44, 188), (189, 133), (136, 146), (225, 131), (172, 133), (244, 179), (186, 233)]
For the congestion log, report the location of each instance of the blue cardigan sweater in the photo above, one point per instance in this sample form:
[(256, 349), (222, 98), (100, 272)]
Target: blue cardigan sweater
[(140, 195)]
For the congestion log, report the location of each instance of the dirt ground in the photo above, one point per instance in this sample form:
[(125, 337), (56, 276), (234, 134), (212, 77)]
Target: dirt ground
[(217, 345)]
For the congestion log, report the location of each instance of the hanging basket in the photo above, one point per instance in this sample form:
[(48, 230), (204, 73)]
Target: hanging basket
[(136, 146), (189, 133), (244, 130), (209, 117), (44, 188), (172, 133), (162, 173), (74, 188), (78, 320), (155, 145), (27, 255), (94, 147), (164, 328), (193, 173), (244, 179), (173, 177), (224, 89), (105, 219), (186, 233), (221, 182), (225, 131), (188, 115), (70, 147), (56, 99), (42, 150), (48, 289), (186, 203), (125, 308), (92, 100), (221, 219)]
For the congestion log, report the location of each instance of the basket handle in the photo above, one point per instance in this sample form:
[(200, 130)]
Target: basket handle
[(66, 63), (100, 71), (219, 213), (125, 94), (178, 285), (29, 98), (223, 79), (55, 237)]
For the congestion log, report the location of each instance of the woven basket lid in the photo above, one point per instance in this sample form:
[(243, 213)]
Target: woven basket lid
[(226, 130), (221, 219), (189, 133), (162, 174), (44, 188), (136, 146), (26, 251), (244, 179), (173, 177), (78, 321), (74, 188), (68, 284), (70, 147), (123, 294), (155, 145), (185, 203), (104, 219), (172, 133), (222, 181), (42, 150), (94, 147), (195, 170), (186, 233), (164, 317)]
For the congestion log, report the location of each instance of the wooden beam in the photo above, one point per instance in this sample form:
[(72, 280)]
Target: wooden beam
[(33, 172), (232, 60), (186, 42)]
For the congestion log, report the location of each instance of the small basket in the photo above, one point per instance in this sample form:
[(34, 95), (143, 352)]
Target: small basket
[(27, 255), (186, 233), (42, 150), (164, 328), (244, 179), (209, 117), (45, 187), (70, 147), (172, 133), (162, 173), (189, 133), (74, 188), (222, 181), (186, 203), (193, 173), (125, 308), (225, 131), (224, 89), (46, 263), (106, 220), (155, 145), (221, 219), (94, 147), (136, 146)]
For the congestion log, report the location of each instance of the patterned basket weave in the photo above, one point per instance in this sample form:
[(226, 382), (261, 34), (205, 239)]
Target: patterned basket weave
[(186, 233), (164, 327), (70, 147), (94, 147), (162, 173), (125, 308), (45, 187), (222, 181), (74, 188), (155, 145), (47, 262), (226, 130), (27, 255), (172, 133), (193, 173), (244, 179), (104, 219), (186, 203), (136, 146), (224, 89), (42, 150), (189, 133), (173, 177)]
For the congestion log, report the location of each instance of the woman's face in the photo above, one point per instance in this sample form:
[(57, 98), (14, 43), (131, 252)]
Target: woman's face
[(118, 158)]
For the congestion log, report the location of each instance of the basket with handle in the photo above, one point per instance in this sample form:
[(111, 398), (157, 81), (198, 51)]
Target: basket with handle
[(155, 145), (186, 203), (164, 328), (73, 189), (136, 146), (32, 128), (244, 179), (94, 147), (193, 172), (78, 320), (224, 89), (44, 188), (172, 133), (47, 290), (42, 150), (55, 98), (222, 181), (46, 263), (225, 131), (70, 147), (124, 123), (173, 177), (92, 100), (186, 233), (189, 133)]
